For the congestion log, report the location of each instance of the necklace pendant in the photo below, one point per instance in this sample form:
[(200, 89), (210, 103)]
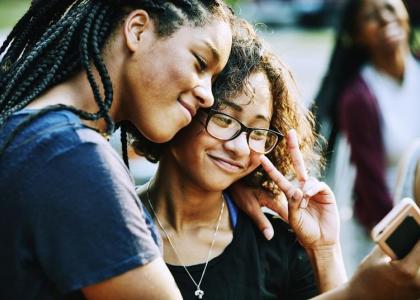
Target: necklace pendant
[(199, 293)]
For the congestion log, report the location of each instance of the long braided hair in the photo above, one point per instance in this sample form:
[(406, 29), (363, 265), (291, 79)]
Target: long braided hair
[(57, 38)]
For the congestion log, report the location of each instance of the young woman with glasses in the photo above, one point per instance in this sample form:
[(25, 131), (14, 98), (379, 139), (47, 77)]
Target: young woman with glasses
[(215, 251)]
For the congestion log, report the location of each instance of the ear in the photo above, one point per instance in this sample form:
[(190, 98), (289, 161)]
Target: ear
[(135, 24)]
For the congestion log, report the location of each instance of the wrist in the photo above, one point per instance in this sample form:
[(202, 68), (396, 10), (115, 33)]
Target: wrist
[(328, 265), (324, 252)]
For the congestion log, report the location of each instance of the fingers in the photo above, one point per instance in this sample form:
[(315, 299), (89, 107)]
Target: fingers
[(409, 266), (262, 222), (295, 200), (248, 201), (277, 203), (296, 155), (292, 193), (275, 175), (377, 255)]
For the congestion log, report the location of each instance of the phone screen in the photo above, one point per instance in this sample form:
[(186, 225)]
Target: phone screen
[(405, 236)]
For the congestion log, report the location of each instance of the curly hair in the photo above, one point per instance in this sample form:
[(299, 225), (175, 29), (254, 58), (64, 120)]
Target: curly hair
[(249, 56), (55, 39), (288, 113)]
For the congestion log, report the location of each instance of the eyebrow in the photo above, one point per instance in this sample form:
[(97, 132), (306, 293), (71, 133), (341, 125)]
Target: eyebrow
[(239, 108), (213, 50)]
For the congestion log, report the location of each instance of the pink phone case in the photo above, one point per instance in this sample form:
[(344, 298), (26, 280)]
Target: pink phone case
[(386, 227)]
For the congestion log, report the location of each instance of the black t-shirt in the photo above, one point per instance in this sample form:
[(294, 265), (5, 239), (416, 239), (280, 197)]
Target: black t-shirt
[(253, 268)]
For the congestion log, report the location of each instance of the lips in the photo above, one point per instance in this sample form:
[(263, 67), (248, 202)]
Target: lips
[(191, 109), (226, 164)]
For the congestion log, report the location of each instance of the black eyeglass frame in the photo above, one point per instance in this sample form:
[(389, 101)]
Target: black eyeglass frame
[(211, 112)]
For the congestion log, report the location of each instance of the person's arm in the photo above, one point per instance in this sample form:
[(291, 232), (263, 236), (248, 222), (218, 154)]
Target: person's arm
[(328, 266), (149, 282), (380, 278)]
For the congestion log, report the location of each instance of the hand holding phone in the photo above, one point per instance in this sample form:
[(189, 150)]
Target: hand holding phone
[(398, 232)]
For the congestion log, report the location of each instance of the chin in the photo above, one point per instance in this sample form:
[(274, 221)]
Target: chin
[(159, 136), (222, 185)]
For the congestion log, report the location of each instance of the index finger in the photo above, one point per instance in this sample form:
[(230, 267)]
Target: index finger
[(275, 174), (297, 158)]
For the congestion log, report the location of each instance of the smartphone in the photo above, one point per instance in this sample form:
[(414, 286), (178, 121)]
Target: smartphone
[(399, 230)]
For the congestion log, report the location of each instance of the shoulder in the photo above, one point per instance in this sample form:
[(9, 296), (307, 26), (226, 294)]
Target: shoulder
[(356, 92), (49, 136), (358, 100)]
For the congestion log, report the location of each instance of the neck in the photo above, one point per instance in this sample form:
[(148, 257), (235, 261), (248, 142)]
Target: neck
[(182, 205), (391, 63)]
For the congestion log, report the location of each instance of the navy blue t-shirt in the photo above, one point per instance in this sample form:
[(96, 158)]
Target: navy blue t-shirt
[(70, 217)]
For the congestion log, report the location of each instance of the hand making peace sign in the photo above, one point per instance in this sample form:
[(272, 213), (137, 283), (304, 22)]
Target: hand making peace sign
[(310, 210)]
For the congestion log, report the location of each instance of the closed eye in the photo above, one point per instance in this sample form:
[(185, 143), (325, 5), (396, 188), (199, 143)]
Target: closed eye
[(201, 62)]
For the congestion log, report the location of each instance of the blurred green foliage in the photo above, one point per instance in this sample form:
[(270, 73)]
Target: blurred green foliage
[(11, 11)]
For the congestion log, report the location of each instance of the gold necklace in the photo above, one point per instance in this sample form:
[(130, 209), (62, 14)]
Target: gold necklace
[(198, 292)]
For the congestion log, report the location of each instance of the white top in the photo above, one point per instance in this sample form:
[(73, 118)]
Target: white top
[(399, 105)]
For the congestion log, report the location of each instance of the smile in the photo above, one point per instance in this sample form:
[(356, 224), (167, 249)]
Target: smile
[(188, 108), (226, 165)]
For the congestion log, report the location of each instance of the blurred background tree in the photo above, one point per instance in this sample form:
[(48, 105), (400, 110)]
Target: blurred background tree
[(11, 11)]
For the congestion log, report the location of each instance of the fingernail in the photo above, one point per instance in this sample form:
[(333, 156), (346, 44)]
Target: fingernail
[(268, 233), (304, 203)]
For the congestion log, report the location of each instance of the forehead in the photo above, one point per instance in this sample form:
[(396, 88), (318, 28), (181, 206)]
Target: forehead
[(256, 98), (377, 4), (216, 35)]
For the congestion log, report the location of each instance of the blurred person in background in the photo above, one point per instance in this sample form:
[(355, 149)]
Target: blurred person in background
[(370, 94)]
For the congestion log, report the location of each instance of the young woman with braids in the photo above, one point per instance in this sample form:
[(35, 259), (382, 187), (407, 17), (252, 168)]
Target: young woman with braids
[(213, 250), (71, 71)]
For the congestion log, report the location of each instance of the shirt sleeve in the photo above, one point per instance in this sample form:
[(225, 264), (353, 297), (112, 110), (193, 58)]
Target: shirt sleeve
[(84, 221), (359, 120)]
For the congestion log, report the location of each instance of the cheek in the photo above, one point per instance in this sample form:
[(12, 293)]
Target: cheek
[(254, 162), (179, 73)]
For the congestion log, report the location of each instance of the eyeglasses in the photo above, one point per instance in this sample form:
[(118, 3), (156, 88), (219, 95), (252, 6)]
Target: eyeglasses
[(224, 127)]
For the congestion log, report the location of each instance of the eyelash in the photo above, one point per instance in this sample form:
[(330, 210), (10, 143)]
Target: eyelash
[(201, 62)]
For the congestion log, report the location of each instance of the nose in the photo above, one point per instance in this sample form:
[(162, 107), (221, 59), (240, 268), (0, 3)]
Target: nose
[(238, 145), (204, 93)]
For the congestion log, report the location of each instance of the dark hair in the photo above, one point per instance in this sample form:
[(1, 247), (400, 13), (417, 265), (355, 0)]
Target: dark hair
[(346, 60), (57, 38), (249, 56), (244, 57)]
